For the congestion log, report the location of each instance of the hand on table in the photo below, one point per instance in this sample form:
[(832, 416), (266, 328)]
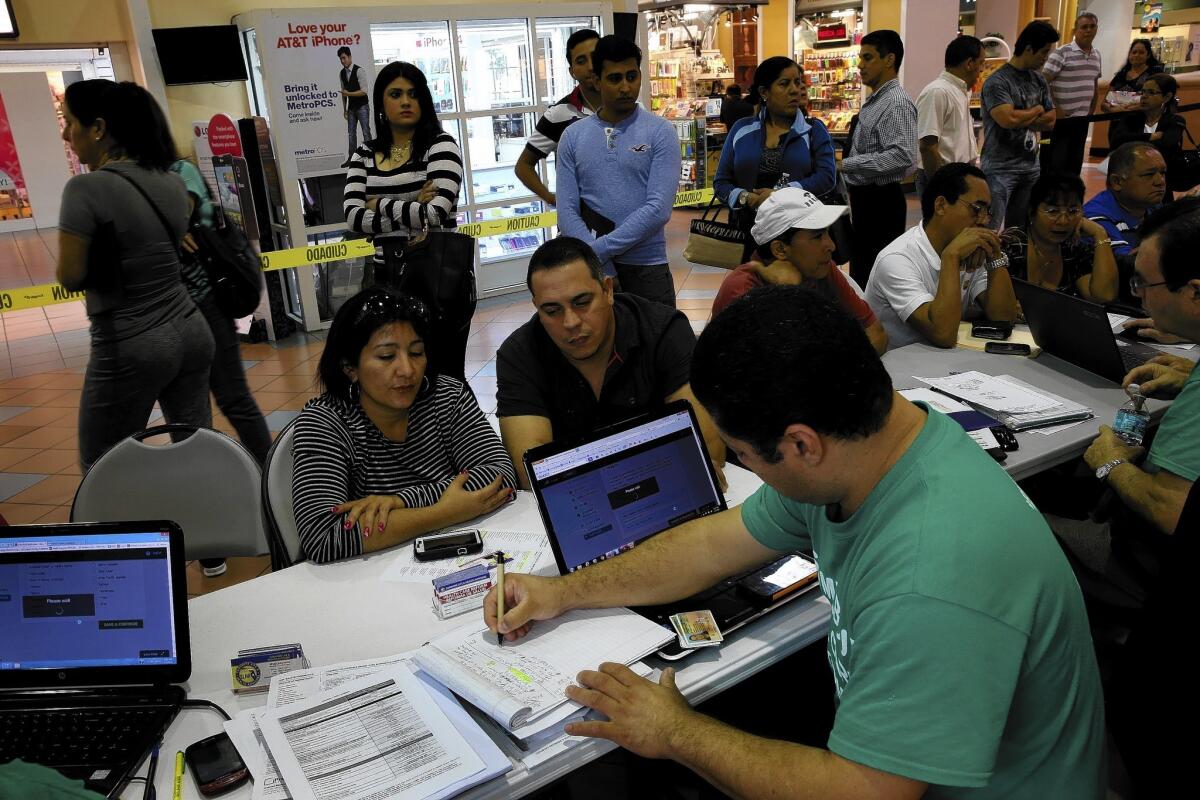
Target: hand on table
[(527, 598), (643, 716), (461, 504), (1146, 330), (370, 511), (1109, 447), (1161, 377)]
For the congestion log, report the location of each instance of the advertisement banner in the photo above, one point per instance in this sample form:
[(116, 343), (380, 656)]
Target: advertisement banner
[(317, 111), (14, 198)]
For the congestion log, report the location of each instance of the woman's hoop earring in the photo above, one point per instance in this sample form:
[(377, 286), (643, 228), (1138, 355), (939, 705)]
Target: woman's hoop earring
[(353, 392), (425, 384)]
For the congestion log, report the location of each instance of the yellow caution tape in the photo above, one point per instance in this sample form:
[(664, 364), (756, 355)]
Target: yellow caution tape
[(52, 293)]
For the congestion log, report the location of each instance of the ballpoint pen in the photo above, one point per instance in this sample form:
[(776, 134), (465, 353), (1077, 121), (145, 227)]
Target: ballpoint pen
[(148, 794), (499, 595)]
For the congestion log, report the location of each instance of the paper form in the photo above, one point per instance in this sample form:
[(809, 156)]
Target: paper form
[(528, 550), (527, 679), (990, 393), (936, 400), (382, 735)]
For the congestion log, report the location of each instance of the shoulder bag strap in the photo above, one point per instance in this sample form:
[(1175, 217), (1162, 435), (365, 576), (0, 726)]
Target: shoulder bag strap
[(161, 218)]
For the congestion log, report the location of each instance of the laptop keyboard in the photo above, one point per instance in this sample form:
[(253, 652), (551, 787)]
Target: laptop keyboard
[(1135, 357), (79, 737)]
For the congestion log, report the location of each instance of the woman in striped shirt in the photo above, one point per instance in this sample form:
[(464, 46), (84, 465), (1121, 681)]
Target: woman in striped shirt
[(388, 452), (407, 178)]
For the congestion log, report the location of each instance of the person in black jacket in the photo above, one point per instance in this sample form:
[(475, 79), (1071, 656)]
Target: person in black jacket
[(733, 107), (1157, 122)]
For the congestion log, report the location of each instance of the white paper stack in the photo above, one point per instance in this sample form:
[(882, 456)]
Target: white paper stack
[(1010, 400)]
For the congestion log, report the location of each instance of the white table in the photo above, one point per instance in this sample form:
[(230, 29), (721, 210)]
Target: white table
[(1037, 452), (344, 612)]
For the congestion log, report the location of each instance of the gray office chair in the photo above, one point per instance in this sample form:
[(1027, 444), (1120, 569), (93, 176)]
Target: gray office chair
[(277, 501), (207, 483)]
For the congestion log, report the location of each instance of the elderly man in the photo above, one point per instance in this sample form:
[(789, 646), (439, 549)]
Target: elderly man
[(1137, 183)]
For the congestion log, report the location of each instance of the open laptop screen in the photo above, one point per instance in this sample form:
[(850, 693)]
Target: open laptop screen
[(601, 498), (81, 597)]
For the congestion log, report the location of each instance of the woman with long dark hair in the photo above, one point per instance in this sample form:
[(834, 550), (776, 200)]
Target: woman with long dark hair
[(404, 182), (1156, 123), (119, 234), (388, 452), (1139, 65), (777, 145)]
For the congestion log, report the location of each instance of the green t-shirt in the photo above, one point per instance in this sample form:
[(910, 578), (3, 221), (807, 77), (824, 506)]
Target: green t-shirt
[(1176, 446), (958, 638), (21, 781)]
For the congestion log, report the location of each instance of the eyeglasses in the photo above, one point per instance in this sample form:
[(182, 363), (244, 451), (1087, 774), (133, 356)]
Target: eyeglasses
[(389, 304), (1137, 285), (1056, 212), (980, 210), (1148, 92)]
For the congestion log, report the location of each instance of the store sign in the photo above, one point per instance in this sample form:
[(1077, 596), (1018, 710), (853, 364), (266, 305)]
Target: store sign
[(835, 32), (299, 51), (14, 197), (223, 138)]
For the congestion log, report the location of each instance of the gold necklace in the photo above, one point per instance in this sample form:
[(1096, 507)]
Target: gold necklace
[(401, 152)]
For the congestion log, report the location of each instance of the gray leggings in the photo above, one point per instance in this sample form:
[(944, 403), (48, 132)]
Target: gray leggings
[(168, 364)]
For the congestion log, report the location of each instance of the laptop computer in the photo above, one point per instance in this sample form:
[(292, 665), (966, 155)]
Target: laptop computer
[(1078, 331), (626, 483), (93, 640)]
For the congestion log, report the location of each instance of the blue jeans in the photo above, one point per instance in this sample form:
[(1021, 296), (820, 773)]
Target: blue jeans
[(1010, 197), (362, 117)]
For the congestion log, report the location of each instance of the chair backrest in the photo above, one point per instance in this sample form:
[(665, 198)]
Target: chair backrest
[(207, 483), (277, 500)]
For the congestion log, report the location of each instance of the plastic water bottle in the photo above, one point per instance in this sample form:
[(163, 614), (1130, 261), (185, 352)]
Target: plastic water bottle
[(782, 182), (1132, 418)]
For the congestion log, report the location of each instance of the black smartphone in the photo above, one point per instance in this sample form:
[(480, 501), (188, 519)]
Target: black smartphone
[(215, 765), (987, 329), (447, 545), (1007, 348), (778, 579)]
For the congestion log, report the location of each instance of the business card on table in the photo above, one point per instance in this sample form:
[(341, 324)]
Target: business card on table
[(697, 629)]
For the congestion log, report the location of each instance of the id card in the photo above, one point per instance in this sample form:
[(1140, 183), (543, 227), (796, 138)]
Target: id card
[(697, 629)]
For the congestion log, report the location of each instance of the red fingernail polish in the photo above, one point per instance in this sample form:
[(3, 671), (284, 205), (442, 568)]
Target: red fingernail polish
[(333, 510), (348, 525), (381, 527)]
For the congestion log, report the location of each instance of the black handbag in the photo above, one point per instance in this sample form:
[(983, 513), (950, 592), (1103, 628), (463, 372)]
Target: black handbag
[(1183, 171), (233, 269)]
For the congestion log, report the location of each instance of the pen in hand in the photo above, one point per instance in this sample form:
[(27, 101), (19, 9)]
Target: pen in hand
[(499, 595)]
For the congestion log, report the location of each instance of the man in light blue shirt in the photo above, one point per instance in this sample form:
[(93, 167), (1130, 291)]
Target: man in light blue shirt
[(618, 172)]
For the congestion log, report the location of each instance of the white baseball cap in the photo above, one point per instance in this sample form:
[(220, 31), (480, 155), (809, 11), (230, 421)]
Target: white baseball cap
[(789, 208)]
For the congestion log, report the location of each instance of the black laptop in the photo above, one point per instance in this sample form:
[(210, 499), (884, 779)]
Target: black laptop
[(93, 640), (628, 482), (1078, 331)]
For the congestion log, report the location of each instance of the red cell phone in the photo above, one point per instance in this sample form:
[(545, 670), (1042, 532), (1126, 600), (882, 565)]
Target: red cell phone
[(1007, 348)]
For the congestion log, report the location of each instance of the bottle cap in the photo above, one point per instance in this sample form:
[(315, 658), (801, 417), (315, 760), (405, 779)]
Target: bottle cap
[(1134, 390)]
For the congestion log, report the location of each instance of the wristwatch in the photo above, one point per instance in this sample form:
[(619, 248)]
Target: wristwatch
[(1103, 470)]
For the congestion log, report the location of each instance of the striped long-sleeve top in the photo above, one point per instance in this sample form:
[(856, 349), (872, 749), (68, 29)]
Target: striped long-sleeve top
[(398, 212), (340, 455)]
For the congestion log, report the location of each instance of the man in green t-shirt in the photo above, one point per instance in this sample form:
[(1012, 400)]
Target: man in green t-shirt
[(958, 638)]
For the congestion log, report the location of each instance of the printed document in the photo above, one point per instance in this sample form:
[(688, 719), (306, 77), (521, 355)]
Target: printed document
[(989, 393), (377, 736)]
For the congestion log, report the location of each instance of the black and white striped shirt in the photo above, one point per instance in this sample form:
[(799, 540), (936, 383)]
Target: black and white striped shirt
[(398, 212), (550, 126), (340, 455)]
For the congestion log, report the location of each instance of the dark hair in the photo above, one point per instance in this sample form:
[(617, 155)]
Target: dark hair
[(733, 90), (428, 127), (950, 182), (353, 326), (1121, 160), (763, 364), (887, 43), (344, 51), (962, 48), (579, 37), (1176, 226), (764, 250), (562, 251), (132, 119), (1151, 60), (615, 49), (1054, 184), (1035, 36), (767, 73)]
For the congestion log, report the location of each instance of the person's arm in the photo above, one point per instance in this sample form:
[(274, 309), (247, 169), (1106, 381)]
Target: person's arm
[(77, 221), (878, 337), (938, 319), (708, 428), (1101, 284), (1156, 497), (822, 175), (899, 152), (1146, 330), (655, 211), (570, 221), (444, 170), (527, 173), (724, 187), (932, 107), (521, 434), (1010, 118), (359, 218), (72, 260), (474, 446), (931, 159), (1171, 142), (1127, 129), (998, 300)]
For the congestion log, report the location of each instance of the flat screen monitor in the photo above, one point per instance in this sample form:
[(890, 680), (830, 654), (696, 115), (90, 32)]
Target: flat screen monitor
[(202, 54)]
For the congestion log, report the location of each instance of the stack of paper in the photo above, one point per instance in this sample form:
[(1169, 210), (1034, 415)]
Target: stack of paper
[(397, 734), (1015, 403)]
